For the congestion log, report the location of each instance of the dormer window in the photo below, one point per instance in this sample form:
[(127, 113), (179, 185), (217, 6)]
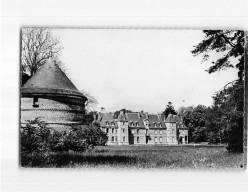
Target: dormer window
[(155, 125), (137, 124), (132, 124), (35, 102), (107, 123), (160, 125), (112, 123)]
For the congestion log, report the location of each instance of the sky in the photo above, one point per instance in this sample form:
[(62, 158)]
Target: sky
[(140, 69)]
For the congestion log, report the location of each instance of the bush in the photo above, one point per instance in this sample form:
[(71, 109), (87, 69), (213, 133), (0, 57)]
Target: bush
[(57, 140), (91, 135), (35, 136)]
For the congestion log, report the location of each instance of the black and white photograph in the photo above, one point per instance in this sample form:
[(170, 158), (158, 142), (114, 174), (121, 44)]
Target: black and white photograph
[(132, 98), (123, 96)]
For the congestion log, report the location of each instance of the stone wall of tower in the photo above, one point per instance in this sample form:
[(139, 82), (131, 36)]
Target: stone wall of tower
[(56, 114)]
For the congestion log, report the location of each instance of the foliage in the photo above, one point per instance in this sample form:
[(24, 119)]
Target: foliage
[(229, 101), (38, 45), (34, 137), (57, 141), (91, 103), (229, 44), (37, 137), (90, 135), (169, 110), (230, 104), (194, 119)]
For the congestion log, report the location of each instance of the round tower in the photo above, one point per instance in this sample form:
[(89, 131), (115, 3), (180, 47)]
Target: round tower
[(50, 95)]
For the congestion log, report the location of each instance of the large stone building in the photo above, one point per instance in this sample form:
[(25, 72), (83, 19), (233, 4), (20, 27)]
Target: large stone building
[(142, 128), (50, 95)]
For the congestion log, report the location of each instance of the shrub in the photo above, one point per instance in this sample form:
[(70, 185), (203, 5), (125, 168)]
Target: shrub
[(57, 141), (86, 136), (34, 136), (37, 137)]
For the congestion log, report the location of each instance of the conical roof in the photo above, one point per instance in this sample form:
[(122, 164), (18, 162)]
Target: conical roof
[(50, 79), (121, 117)]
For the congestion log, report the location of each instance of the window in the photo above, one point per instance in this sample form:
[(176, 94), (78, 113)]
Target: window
[(107, 130), (156, 139), (113, 139), (161, 131), (137, 139), (35, 103), (132, 131), (160, 139), (112, 130), (156, 131), (137, 131), (146, 131), (123, 139), (123, 130), (172, 139)]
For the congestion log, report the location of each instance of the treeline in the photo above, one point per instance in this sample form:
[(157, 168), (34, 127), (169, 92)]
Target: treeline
[(220, 123)]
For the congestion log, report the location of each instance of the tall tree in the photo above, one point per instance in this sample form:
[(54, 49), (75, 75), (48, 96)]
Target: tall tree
[(169, 109), (38, 45), (228, 44), (228, 101)]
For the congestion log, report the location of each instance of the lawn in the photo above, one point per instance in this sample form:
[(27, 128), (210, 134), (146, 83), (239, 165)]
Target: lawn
[(142, 157)]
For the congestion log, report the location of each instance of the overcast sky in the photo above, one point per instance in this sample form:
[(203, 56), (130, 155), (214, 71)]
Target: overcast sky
[(139, 69)]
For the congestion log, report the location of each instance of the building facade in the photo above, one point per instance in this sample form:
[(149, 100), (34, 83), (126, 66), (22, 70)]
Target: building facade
[(142, 128)]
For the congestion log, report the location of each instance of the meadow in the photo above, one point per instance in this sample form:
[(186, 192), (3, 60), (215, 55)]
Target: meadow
[(141, 157)]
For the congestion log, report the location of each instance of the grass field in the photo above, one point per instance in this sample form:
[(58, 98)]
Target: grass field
[(142, 157)]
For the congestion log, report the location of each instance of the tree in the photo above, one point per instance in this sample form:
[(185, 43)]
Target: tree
[(230, 104), (229, 44), (229, 101), (169, 110), (91, 103), (195, 121), (38, 45)]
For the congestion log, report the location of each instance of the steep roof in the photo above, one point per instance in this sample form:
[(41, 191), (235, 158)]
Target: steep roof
[(154, 119), (121, 117), (106, 117), (170, 119), (50, 79), (135, 118)]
